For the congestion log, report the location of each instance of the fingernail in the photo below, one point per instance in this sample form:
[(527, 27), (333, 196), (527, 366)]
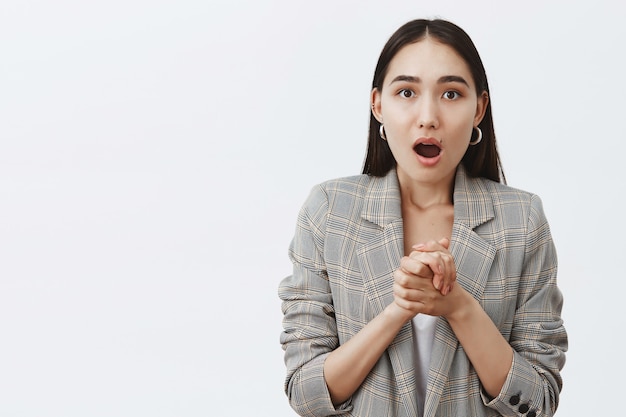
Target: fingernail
[(446, 290), (437, 283), (419, 246)]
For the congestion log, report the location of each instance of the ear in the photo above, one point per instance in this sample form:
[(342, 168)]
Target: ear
[(481, 107), (375, 101)]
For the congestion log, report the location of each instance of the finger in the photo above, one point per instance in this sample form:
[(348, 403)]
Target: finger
[(445, 276), (437, 267), (439, 275), (436, 264), (411, 281), (407, 305), (444, 270), (418, 265), (416, 301), (449, 277), (431, 246), (425, 301), (426, 265), (406, 294)]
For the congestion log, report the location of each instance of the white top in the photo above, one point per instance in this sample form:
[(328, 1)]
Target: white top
[(423, 337)]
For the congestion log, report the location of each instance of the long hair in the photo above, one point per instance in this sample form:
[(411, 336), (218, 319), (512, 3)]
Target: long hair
[(481, 160)]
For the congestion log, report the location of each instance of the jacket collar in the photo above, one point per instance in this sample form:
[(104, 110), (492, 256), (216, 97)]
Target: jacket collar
[(472, 201), (473, 205), (382, 200)]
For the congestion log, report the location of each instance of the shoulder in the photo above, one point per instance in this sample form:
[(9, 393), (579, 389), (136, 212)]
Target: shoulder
[(354, 185), (335, 191), (486, 187), (513, 203), (500, 194), (478, 191), (507, 195), (339, 198)]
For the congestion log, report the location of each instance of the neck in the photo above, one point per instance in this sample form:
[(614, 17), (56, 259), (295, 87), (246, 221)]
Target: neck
[(424, 195)]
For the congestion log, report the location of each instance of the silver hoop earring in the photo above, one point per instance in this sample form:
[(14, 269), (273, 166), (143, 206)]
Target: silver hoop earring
[(381, 131), (479, 138)]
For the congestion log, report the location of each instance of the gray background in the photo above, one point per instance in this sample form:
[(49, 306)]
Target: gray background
[(154, 155)]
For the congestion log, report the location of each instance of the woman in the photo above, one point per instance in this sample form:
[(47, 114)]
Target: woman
[(425, 286)]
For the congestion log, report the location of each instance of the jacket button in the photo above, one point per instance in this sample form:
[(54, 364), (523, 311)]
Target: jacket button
[(514, 400), (523, 408), (532, 413)]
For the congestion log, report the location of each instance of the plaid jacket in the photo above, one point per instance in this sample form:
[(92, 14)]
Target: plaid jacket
[(348, 242)]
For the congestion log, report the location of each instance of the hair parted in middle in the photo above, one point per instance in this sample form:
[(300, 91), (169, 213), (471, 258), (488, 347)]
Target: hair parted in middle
[(481, 160)]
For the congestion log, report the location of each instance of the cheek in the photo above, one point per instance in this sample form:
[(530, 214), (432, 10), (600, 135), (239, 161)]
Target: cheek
[(394, 125), (394, 147), (395, 110), (462, 139), (462, 125)]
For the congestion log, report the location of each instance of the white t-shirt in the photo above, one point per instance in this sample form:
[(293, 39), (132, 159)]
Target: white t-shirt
[(423, 337)]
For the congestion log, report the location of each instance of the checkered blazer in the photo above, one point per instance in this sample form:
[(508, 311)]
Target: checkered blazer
[(347, 243)]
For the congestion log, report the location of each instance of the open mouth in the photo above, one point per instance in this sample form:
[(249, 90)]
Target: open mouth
[(427, 150)]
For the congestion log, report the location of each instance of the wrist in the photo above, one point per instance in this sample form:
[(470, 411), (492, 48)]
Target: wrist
[(465, 306), (396, 314)]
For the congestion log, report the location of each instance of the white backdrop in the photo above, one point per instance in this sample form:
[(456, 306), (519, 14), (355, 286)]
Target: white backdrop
[(154, 155)]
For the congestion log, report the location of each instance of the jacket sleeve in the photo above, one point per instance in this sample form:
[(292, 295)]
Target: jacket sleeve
[(538, 337), (310, 330)]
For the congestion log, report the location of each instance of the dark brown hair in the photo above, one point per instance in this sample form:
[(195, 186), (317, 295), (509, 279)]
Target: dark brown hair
[(481, 160)]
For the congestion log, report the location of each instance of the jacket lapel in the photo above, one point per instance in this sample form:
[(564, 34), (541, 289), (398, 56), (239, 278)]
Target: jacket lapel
[(382, 236), (473, 257), (379, 256)]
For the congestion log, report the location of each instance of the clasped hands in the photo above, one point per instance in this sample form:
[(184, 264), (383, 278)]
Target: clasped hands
[(425, 281)]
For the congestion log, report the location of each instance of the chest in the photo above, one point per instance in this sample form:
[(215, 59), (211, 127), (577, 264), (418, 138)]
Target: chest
[(421, 226)]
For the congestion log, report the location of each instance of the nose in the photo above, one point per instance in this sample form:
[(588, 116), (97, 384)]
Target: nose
[(428, 114)]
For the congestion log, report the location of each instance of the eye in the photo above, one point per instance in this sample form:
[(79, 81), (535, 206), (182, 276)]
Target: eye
[(451, 95), (406, 93)]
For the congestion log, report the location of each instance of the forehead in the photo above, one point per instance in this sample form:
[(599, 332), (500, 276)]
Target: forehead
[(428, 60)]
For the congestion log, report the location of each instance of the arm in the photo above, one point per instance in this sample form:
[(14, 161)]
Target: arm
[(345, 368), (523, 372), (310, 330), (321, 375), (490, 354), (538, 337)]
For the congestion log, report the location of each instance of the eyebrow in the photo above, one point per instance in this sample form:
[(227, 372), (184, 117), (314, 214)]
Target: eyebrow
[(441, 80)]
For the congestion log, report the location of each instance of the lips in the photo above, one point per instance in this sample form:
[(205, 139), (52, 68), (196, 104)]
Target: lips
[(427, 147)]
